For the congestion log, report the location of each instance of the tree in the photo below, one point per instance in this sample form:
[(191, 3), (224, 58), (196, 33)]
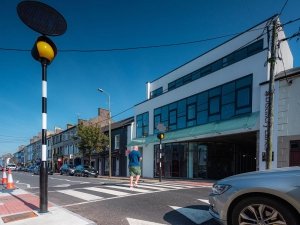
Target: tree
[(91, 140)]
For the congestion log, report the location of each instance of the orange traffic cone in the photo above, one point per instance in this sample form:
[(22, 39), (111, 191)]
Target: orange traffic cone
[(4, 177), (10, 182)]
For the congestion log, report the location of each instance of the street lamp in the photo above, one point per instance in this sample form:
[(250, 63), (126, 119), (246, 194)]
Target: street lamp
[(109, 130)]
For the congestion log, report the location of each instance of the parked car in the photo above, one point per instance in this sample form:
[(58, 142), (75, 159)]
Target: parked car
[(11, 166), (37, 169), (67, 169), (30, 169), (261, 197), (85, 171)]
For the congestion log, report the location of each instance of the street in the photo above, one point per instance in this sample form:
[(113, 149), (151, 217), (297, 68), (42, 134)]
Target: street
[(111, 201)]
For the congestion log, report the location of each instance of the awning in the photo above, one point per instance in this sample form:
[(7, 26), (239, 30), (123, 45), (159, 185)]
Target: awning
[(246, 122)]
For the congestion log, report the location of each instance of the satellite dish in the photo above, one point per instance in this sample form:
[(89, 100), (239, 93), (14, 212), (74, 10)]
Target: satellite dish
[(42, 18)]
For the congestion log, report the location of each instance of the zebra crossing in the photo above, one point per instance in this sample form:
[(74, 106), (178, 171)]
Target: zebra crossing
[(110, 191)]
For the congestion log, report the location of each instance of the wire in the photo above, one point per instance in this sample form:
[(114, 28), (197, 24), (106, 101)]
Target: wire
[(283, 7), (138, 47)]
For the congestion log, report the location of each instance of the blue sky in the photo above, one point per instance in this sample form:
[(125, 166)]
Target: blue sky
[(73, 77)]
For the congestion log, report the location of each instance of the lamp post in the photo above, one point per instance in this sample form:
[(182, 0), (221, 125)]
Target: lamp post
[(109, 130)]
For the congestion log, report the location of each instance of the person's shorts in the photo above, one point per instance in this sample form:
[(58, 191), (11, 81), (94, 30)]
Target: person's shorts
[(134, 170)]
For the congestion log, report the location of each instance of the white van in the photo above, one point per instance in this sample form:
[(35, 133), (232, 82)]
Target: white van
[(11, 166)]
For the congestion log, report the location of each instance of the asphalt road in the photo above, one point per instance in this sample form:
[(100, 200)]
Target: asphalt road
[(112, 202)]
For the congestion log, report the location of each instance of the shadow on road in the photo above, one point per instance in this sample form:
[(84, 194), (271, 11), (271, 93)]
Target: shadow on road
[(190, 215)]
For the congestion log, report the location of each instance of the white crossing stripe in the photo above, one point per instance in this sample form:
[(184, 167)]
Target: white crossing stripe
[(81, 195), (128, 189), (153, 187), (132, 221), (107, 191), (204, 200), (163, 186), (179, 185)]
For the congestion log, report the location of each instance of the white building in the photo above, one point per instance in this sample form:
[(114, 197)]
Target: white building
[(213, 108)]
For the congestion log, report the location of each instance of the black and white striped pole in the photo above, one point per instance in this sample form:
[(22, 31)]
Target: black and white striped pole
[(44, 51), (45, 20)]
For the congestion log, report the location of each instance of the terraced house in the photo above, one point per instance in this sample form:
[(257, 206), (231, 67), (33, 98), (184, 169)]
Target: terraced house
[(213, 110)]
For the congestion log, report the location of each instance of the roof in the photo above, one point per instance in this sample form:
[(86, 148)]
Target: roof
[(119, 124)]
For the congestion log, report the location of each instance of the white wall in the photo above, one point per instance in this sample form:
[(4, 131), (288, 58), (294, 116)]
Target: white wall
[(148, 160), (227, 74), (289, 108)]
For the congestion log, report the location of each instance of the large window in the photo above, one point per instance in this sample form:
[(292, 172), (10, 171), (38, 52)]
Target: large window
[(230, 59), (219, 103), (142, 125)]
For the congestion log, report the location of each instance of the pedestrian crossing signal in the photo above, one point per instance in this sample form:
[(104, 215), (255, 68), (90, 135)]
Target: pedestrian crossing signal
[(161, 136)]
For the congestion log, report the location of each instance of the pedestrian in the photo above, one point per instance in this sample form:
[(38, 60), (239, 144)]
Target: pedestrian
[(134, 166)]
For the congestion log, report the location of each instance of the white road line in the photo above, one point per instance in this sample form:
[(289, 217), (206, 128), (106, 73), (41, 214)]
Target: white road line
[(132, 221), (129, 189), (75, 181), (178, 185), (204, 200), (153, 187), (162, 185), (107, 191), (81, 195), (27, 185)]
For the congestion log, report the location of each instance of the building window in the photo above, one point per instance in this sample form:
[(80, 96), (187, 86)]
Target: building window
[(117, 141), (142, 125), (156, 92), (219, 103), (230, 59)]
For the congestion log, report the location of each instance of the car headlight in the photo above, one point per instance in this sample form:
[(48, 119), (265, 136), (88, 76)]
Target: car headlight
[(219, 189)]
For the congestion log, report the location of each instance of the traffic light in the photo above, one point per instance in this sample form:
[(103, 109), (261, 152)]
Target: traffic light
[(161, 136)]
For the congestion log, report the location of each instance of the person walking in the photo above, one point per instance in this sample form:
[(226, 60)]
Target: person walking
[(134, 166)]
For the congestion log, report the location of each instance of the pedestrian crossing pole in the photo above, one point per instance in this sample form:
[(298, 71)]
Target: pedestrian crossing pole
[(44, 50), (160, 136), (46, 21)]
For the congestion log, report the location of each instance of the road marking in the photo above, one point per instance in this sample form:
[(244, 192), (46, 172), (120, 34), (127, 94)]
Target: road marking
[(128, 189), (153, 187), (27, 185), (75, 181), (204, 200), (62, 185), (162, 185), (132, 221), (198, 216), (107, 191), (81, 195)]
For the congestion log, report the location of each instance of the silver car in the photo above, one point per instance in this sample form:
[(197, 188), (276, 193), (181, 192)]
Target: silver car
[(261, 197)]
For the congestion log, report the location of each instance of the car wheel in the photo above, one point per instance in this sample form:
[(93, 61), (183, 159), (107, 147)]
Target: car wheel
[(262, 210)]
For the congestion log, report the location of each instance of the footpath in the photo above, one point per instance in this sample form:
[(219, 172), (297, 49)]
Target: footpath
[(19, 207)]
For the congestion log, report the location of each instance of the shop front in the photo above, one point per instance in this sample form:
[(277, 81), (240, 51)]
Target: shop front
[(211, 158)]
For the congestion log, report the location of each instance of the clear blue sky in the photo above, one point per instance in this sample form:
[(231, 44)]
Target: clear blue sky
[(73, 78)]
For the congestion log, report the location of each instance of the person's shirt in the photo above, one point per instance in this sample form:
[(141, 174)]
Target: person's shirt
[(134, 158)]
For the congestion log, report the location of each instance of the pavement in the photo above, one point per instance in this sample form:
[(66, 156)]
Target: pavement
[(18, 206)]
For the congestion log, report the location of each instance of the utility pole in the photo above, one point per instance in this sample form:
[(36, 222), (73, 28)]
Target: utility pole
[(272, 59)]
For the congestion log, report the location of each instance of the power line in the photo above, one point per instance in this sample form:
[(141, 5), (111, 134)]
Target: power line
[(137, 47), (283, 7), (154, 46)]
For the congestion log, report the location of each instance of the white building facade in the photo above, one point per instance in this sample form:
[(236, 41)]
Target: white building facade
[(213, 109)]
